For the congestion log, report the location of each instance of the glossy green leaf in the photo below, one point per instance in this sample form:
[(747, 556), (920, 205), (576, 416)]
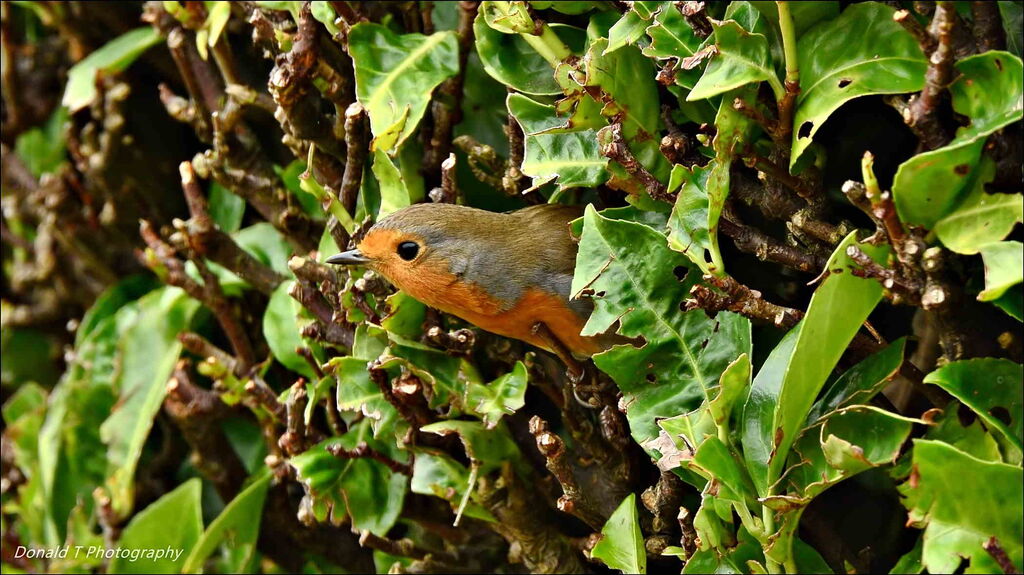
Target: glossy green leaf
[(1004, 268), (405, 315), (365, 489), (357, 392), (683, 354), (990, 93), (672, 38), (568, 155), (758, 412), (688, 230), (973, 437), (805, 14), (503, 396), (981, 219), (509, 59), (1012, 302), (861, 382), (784, 390), (487, 449), (838, 308), (112, 57), (44, 149), (629, 94), (441, 476), (508, 17), (267, 245), (445, 377), (743, 58), (622, 544), (626, 31), (236, 529), (961, 511), (394, 195), (570, 7), (281, 327), (171, 524), (843, 59), (149, 348), (993, 388), (226, 208), (848, 441), (395, 76)]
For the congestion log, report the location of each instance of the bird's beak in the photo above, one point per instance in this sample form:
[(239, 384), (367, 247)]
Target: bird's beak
[(349, 258)]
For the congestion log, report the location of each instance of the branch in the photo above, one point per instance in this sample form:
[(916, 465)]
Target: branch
[(988, 30), (739, 298), (927, 111), (767, 248), (574, 499), (447, 108), (615, 148)]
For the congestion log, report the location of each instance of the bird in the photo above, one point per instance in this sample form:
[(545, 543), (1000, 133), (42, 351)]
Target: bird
[(507, 273)]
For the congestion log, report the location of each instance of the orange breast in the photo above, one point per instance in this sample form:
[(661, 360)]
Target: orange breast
[(536, 306)]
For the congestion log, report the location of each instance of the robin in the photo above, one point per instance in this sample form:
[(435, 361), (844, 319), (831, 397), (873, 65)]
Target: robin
[(507, 273)]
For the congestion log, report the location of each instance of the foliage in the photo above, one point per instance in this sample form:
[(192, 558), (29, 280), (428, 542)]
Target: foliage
[(794, 298)]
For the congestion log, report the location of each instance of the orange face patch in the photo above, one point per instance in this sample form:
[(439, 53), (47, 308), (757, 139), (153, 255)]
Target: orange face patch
[(427, 277)]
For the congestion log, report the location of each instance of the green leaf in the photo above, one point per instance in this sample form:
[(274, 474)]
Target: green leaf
[(281, 327), (395, 76), (804, 14), (441, 476), (743, 58), (405, 316), (553, 151), (993, 388), (1004, 268), (236, 528), (112, 57), (226, 208), (267, 245), (171, 524), (861, 382), (43, 148), (845, 58), (783, 391), (622, 544), (509, 59), (972, 438), (149, 348), (629, 93), (961, 510), (503, 396), (1012, 14), (672, 38), (626, 31), (989, 92), (683, 353), (445, 377), (848, 441), (394, 195), (358, 392), (324, 13), (982, 218), (688, 230), (488, 449), (1012, 302), (370, 493)]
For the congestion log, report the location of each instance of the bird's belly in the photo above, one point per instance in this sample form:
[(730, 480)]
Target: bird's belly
[(536, 306)]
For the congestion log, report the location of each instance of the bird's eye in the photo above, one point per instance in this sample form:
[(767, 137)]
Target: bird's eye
[(408, 250)]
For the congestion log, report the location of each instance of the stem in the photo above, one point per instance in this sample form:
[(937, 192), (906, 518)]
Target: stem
[(786, 100), (789, 42), (769, 529), (546, 43), (473, 470)]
